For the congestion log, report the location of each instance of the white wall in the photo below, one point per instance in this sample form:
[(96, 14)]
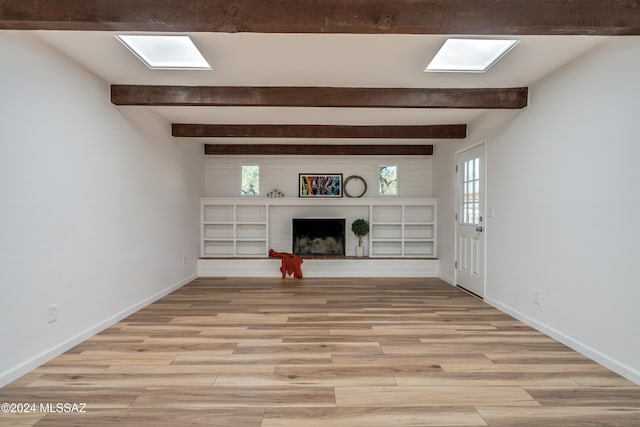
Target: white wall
[(444, 182), (444, 185), (98, 208), (222, 173), (562, 181)]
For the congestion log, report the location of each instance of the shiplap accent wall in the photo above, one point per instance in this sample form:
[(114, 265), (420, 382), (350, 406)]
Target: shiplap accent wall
[(222, 173)]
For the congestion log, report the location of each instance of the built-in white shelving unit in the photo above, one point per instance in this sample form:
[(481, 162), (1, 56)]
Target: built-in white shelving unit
[(240, 227), (404, 229), (234, 229)]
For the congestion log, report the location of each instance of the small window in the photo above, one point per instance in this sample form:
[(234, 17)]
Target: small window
[(250, 180), (388, 177)]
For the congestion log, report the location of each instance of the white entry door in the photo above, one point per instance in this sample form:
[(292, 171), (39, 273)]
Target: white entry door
[(470, 220)]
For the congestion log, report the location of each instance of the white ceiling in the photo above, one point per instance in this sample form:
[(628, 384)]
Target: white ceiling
[(340, 60)]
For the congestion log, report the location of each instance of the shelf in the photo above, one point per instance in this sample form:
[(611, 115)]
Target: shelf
[(251, 248), (251, 231), (419, 249), (217, 231), (386, 214), (421, 213), (386, 249), (251, 213), (386, 231), (218, 213), (218, 248), (419, 231)]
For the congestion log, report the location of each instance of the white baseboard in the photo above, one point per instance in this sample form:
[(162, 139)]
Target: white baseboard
[(448, 280), (607, 361), (321, 268), (16, 372)]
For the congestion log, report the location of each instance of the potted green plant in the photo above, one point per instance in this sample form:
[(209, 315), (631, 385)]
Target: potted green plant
[(360, 228)]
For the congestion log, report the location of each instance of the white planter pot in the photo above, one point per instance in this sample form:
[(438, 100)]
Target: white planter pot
[(359, 251)]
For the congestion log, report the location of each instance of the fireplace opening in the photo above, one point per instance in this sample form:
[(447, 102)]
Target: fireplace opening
[(322, 236)]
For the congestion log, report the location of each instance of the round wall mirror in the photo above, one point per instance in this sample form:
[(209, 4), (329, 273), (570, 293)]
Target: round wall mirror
[(355, 186)]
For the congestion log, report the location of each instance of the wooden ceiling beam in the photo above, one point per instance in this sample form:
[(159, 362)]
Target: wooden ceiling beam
[(277, 96), (317, 150), (517, 17), (318, 131)]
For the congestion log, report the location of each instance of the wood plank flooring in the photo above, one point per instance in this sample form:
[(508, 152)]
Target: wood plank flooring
[(324, 352)]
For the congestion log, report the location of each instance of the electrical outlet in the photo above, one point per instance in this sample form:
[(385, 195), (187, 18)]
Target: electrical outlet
[(537, 297), (52, 313)]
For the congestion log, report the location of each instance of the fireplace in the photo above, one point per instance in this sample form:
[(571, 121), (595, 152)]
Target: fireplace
[(322, 236)]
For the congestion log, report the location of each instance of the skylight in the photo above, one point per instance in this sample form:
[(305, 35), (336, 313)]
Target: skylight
[(469, 55), (166, 52)]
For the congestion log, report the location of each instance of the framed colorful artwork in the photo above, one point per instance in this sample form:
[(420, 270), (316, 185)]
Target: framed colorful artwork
[(320, 185)]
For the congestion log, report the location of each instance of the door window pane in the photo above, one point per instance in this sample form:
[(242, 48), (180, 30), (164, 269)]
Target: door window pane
[(471, 192)]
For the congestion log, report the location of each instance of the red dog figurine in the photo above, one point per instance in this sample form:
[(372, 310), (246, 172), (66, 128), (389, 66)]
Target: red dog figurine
[(291, 263)]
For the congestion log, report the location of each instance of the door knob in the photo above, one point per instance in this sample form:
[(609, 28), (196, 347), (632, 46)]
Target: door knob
[(479, 228)]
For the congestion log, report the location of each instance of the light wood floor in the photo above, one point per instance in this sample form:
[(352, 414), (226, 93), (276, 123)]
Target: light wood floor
[(320, 352)]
